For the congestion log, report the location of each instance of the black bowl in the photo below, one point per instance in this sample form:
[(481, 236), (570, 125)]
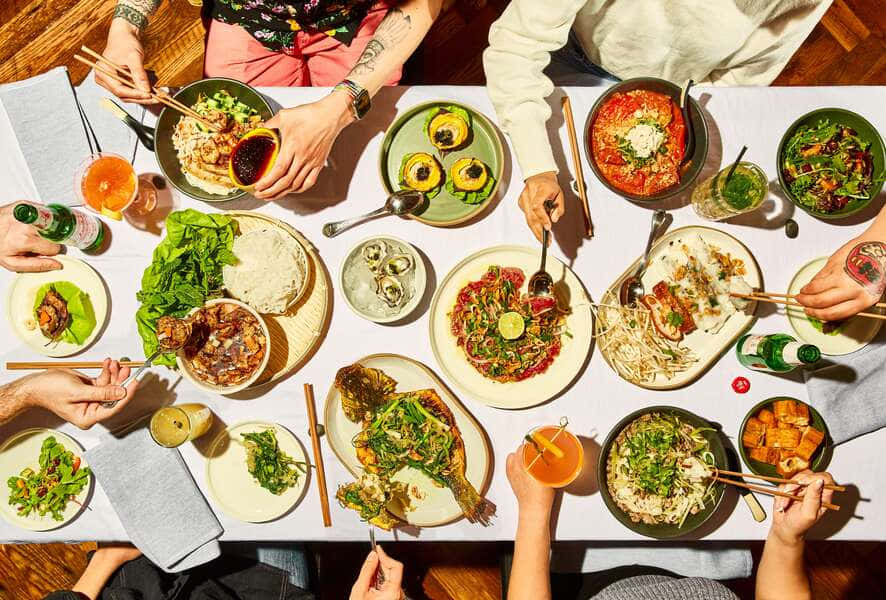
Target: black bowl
[(692, 522), (699, 127), (167, 157)]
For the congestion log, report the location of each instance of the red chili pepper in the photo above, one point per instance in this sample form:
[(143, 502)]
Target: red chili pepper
[(741, 385)]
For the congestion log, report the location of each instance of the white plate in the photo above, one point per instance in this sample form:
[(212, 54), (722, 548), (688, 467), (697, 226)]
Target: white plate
[(235, 490), (419, 282), (23, 450), (706, 347), (541, 387), (438, 505), (856, 333), (23, 291)]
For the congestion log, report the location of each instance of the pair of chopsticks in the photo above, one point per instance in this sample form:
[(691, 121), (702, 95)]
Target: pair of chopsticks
[(66, 364), (771, 490), (790, 300), (122, 75), (318, 456), (576, 161)]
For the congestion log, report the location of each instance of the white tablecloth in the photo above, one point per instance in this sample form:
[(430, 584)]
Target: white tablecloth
[(753, 116)]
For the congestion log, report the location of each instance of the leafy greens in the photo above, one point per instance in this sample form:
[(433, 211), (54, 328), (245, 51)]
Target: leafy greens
[(49, 489)]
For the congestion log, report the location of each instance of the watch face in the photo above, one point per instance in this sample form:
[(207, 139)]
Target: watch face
[(362, 104)]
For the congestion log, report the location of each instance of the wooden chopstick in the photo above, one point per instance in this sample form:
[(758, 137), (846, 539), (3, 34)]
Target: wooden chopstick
[(318, 456), (794, 296), (576, 161), (69, 364), (772, 491), (798, 305), (827, 486)]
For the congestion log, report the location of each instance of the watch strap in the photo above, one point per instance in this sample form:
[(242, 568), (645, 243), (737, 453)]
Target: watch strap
[(360, 100)]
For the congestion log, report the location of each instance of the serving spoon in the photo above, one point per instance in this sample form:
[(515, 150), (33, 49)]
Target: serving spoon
[(632, 288), (689, 146), (541, 284), (399, 203)]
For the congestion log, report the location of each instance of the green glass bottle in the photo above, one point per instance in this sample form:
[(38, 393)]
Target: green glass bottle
[(777, 352), (60, 224)]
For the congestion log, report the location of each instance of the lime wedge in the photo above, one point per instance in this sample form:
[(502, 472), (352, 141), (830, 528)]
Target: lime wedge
[(510, 325)]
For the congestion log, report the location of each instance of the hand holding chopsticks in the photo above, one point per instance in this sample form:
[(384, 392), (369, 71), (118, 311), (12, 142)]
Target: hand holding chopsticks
[(772, 490), (790, 300)]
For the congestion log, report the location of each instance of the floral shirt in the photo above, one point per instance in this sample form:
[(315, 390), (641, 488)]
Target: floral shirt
[(275, 23)]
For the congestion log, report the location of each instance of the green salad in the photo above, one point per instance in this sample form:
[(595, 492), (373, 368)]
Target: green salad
[(827, 165), (272, 468), (185, 272), (47, 490)]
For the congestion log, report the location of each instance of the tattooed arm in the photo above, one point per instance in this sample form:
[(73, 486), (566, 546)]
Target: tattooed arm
[(853, 279), (124, 47)]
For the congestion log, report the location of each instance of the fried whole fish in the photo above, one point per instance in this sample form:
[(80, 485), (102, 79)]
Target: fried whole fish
[(370, 496), (363, 389)]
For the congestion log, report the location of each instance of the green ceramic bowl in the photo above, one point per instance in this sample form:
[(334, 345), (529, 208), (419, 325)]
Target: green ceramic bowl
[(819, 459), (165, 151), (407, 135), (865, 130), (699, 126), (692, 522)]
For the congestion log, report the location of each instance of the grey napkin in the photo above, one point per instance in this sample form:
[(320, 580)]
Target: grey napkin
[(157, 500), (849, 392)]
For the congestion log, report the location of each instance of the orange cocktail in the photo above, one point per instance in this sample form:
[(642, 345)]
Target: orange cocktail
[(560, 460), (107, 184)]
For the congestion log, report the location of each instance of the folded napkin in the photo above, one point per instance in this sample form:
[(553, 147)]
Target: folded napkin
[(849, 392), (157, 500)]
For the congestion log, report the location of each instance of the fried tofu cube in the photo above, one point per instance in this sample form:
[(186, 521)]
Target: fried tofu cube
[(777, 437), (767, 416), (809, 443), (754, 433), (789, 464), (765, 455), (791, 411)]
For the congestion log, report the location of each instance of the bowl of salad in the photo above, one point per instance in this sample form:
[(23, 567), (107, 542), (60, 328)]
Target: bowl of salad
[(831, 163), (656, 471)]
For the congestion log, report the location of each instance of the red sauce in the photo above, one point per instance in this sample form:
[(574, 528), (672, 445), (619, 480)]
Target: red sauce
[(251, 158), (642, 176)]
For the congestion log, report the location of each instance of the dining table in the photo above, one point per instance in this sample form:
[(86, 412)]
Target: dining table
[(593, 402)]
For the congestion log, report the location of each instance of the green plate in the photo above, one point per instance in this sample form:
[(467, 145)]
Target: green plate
[(865, 130), (819, 460), (407, 135), (166, 155), (692, 522), (699, 128)]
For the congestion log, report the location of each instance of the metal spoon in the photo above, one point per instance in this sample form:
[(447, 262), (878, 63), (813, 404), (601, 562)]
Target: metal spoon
[(541, 283), (632, 288), (399, 203), (689, 145), (134, 375)]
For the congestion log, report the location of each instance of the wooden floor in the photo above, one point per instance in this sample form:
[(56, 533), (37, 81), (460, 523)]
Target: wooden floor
[(847, 47)]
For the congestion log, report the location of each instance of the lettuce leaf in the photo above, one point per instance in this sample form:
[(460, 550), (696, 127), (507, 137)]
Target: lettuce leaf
[(456, 110), (82, 314), (185, 272), (471, 197), (430, 193)]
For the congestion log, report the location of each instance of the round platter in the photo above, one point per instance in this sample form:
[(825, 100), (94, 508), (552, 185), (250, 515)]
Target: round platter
[(855, 333), (23, 450), (296, 333), (407, 135), (536, 389), (20, 304), (235, 490)]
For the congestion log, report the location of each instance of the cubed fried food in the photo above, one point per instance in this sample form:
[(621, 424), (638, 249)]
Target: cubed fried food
[(791, 411), (764, 454), (767, 416), (789, 464), (777, 437), (809, 443), (788, 441), (754, 433), (173, 333)]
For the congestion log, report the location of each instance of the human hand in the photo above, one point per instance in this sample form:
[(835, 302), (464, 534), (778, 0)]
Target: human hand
[(76, 398), (19, 243), (364, 587), (792, 519), (124, 47), (537, 190), (852, 280), (532, 497), (307, 133)]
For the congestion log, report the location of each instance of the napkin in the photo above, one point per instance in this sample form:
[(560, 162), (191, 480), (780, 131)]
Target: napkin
[(849, 392), (157, 500)]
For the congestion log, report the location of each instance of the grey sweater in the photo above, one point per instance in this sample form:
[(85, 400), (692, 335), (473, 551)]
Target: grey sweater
[(662, 587)]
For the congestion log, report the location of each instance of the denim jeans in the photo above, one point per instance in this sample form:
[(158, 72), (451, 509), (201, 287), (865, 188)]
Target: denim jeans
[(286, 556)]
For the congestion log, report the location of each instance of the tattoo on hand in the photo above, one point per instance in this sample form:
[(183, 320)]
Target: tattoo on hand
[(393, 29), (866, 264)]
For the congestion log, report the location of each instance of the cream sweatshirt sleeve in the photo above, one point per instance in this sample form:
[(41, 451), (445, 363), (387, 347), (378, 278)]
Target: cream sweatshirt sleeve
[(520, 46)]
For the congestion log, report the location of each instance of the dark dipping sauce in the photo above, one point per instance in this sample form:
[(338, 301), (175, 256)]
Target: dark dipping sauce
[(251, 158)]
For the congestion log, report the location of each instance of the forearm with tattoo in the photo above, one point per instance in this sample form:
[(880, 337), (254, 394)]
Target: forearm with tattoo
[(866, 265), (136, 12), (393, 29)]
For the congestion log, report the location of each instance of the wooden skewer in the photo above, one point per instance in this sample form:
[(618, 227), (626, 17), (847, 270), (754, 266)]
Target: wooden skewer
[(827, 486), (576, 161), (69, 364), (772, 491), (318, 456), (798, 305), (794, 296), (543, 450)]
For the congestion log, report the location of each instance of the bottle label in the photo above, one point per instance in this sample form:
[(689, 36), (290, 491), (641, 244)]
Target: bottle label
[(44, 218), (789, 354), (752, 344), (86, 230)]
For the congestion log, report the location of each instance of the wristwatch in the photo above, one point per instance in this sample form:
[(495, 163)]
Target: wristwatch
[(360, 101)]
